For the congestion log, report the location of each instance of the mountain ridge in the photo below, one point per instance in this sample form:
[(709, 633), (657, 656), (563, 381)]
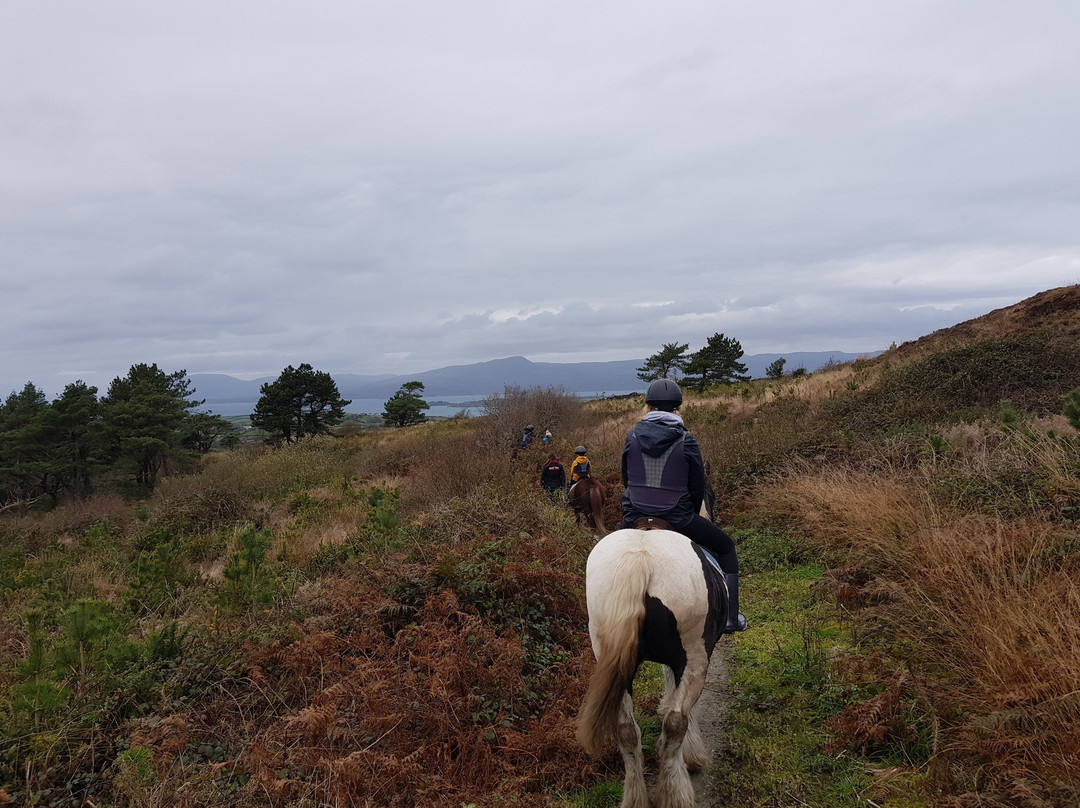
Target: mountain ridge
[(493, 376)]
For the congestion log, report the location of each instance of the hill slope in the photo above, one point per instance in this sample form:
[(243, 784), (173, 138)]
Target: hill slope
[(1027, 353)]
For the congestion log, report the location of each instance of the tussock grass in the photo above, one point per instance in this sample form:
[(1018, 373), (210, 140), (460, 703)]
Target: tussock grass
[(978, 601), (265, 472)]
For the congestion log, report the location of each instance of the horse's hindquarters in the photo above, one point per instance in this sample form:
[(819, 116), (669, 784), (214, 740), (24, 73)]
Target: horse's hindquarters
[(647, 599), (675, 576)]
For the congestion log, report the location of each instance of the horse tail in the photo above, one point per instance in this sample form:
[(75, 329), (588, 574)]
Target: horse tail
[(597, 497), (617, 640)]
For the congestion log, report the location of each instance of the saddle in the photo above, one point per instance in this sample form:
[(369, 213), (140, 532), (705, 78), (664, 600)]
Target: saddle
[(656, 523)]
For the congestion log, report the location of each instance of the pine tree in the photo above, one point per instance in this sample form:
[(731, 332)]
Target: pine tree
[(301, 401), (142, 414), (406, 407), (776, 369), (668, 363), (717, 363)]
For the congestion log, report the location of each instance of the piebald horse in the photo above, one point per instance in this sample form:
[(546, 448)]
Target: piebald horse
[(652, 595)]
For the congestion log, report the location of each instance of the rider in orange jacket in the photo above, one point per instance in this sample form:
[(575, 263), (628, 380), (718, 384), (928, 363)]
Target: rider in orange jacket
[(580, 468)]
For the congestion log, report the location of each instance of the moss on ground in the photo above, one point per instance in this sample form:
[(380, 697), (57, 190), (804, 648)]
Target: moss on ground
[(785, 690)]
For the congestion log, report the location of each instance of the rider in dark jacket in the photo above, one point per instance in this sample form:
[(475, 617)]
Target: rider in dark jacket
[(553, 477), (664, 476)]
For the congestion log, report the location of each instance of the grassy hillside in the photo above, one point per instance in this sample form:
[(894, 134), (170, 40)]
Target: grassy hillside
[(396, 617)]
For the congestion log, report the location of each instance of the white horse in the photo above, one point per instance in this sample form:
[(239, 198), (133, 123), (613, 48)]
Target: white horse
[(652, 595)]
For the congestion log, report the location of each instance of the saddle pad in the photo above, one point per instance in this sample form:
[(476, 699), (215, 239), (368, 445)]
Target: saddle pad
[(711, 559)]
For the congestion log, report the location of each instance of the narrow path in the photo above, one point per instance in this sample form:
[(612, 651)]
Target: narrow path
[(713, 709)]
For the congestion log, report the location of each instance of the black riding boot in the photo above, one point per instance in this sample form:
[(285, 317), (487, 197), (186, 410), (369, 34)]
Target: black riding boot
[(736, 622)]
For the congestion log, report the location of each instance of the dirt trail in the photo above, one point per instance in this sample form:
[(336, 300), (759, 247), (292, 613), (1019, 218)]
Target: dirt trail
[(712, 713)]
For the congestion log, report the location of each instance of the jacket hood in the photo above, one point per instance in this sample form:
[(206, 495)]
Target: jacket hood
[(655, 435)]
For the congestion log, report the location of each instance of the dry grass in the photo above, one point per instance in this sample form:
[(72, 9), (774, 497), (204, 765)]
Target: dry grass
[(983, 601), (1054, 310)]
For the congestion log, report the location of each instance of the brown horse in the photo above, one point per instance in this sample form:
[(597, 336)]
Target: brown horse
[(587, 499)]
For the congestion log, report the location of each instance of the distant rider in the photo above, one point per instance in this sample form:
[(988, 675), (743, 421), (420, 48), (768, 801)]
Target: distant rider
[(527, 437), (553, 477), (580, 468), (664, 476)]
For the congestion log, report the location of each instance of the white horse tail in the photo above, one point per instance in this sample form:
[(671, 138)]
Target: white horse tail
[(617, 636)]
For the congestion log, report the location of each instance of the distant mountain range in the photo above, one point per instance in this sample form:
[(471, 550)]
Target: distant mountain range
[(488, 378)]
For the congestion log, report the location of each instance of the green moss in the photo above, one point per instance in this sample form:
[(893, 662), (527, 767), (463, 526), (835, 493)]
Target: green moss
[(784, 693)]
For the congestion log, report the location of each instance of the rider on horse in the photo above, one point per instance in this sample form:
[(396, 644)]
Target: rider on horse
[(553, 477), (580, 468), (664, 476)]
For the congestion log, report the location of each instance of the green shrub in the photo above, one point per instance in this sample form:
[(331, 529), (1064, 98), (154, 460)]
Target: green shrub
[(248, 581)]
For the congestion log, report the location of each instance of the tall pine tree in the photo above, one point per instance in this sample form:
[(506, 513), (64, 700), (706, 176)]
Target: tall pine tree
[(301, 401), (717, 363)]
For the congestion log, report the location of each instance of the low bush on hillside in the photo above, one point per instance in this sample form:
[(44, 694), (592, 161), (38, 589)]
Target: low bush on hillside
[(1033, 371)]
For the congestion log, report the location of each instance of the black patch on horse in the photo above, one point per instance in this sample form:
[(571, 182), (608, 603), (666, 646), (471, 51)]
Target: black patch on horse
[(660, 640), (718, 606)]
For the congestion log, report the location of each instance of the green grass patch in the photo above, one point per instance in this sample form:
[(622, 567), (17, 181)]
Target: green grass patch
[(602, 795), (779, 675), (784, 691)]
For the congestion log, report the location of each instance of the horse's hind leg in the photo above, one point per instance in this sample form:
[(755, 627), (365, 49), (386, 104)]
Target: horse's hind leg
[(635, 794), (673, 786), (694, 753)]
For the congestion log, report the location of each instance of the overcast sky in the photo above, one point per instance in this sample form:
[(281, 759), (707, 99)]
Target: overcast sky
[(392, 187)]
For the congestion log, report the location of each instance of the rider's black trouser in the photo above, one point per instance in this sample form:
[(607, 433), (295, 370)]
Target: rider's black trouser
[(708, 535)]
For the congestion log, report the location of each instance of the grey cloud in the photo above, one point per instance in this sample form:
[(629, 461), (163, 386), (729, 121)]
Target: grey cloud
[(236, 188)]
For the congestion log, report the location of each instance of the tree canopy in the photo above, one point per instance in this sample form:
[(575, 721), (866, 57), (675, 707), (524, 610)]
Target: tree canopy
[(302, 401), (202, 429), (406, 407), (77, 441), (72, 440), (21, 432), (142, 414), (667, 363), (776, 368), (716, 363)]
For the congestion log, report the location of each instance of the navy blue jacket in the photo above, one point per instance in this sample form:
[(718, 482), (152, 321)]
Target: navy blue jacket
[(663, 472)]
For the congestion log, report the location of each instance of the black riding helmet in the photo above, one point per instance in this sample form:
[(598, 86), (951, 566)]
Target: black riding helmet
[(664, 394)]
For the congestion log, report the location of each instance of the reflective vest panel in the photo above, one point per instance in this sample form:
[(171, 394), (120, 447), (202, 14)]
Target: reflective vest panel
[(657, 483)]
